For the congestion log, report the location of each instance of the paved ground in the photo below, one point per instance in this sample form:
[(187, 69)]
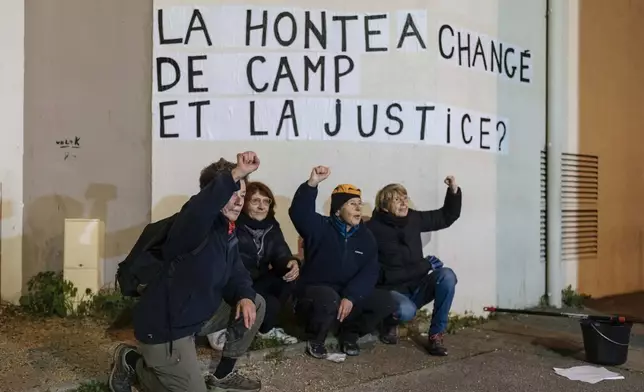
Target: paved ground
[(511, 353), (506, 371)]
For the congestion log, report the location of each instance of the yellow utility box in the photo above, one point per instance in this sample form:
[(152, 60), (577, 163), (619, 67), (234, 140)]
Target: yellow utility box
[(83, 254)]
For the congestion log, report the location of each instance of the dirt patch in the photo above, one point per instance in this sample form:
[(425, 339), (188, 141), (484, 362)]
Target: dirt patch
[(44, 351)]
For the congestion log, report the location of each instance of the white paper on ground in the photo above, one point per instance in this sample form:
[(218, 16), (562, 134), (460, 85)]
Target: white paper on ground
[(589, 374), (336, 357)]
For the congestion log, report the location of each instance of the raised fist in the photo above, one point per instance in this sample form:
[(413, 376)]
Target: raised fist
[(247, 162), (450, 181), (318, 174)]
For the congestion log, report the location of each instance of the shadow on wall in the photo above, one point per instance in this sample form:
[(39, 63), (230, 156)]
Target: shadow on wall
[(44, 224), (282, 204), (173, 203)]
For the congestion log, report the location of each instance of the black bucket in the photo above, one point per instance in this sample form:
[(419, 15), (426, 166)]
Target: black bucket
[(606, 343)]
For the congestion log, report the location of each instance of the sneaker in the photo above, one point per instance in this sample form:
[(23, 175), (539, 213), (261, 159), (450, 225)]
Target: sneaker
[(122, 376), (389, 335), (436, 347), (217, 340), (234, 382), (279, 335), (316, 349), (350, 347)]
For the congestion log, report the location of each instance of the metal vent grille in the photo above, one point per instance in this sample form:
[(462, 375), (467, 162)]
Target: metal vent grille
[(579, 214), (579, 197)]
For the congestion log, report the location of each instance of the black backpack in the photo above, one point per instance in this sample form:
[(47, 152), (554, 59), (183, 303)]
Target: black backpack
[(144, 264)]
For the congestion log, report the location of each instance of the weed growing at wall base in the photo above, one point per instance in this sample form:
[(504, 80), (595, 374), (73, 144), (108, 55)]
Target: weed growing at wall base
[(49, 294), (91, 386), (569, 297), (466, 320), (457, 322), (572, 298)]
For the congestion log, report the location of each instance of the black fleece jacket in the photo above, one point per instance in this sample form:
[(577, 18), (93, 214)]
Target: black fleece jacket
[(262, 244), (400, 250)]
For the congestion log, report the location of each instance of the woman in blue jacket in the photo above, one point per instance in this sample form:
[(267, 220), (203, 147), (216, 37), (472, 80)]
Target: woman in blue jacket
[(338, 277)]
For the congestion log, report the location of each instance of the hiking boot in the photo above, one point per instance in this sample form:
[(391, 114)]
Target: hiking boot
[(122, 376), (234, 382), (316, 349), (389, 335), (279, 335), (350, 347), (435, 346)]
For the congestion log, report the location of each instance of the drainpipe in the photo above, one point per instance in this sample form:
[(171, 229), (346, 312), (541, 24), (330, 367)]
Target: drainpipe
[(555, 130)]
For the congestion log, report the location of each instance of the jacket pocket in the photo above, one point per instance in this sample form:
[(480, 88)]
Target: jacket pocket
[(179, 302)]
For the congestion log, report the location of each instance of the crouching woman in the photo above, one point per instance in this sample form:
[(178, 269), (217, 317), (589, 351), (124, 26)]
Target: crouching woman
[(337, 286), (267, 256), (414, 280)]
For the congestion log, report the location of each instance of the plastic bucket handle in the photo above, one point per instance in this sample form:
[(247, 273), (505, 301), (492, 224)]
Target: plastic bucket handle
[(606, 337)]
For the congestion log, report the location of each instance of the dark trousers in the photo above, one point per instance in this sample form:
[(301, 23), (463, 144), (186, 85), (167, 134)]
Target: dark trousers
[(317, 308), (276, 292)]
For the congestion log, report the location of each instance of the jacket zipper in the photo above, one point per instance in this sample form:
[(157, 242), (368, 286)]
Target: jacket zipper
[(344, 256), (261, 245)]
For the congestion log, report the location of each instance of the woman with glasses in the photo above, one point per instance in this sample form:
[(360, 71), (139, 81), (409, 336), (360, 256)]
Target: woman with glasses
[(268, 259), (414, 280), (337, 287)]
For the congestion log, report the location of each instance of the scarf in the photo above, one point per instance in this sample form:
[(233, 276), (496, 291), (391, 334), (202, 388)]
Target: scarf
[(247, 221), (390, 219), (257, 230), (341, 226), (398, 223)]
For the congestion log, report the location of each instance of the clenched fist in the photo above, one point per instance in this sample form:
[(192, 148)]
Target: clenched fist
[(451, 183), (318, 174), (247, 162)]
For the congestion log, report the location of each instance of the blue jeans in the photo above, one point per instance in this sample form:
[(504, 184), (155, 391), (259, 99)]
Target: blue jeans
[(439, 286)]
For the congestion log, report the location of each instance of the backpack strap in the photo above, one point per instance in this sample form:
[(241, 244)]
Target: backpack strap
[(203, 244)]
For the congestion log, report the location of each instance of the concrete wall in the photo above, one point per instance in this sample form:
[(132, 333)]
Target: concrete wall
[(611, 123), (88, 72), (87, 80), (11, 146), (494, 247)]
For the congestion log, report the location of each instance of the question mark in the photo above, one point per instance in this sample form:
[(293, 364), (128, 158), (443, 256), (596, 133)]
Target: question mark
[(504, 131)]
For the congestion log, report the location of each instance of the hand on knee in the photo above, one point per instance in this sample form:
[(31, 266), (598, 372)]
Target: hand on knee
[(250, 313), (260, 309)]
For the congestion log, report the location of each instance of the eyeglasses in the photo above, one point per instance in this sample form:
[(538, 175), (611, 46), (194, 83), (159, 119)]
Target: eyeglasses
[(256, 202), (401, 199)]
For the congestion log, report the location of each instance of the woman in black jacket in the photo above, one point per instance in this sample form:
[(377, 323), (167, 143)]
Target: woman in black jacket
[(414, 280), (267, 256), (268, 259)]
